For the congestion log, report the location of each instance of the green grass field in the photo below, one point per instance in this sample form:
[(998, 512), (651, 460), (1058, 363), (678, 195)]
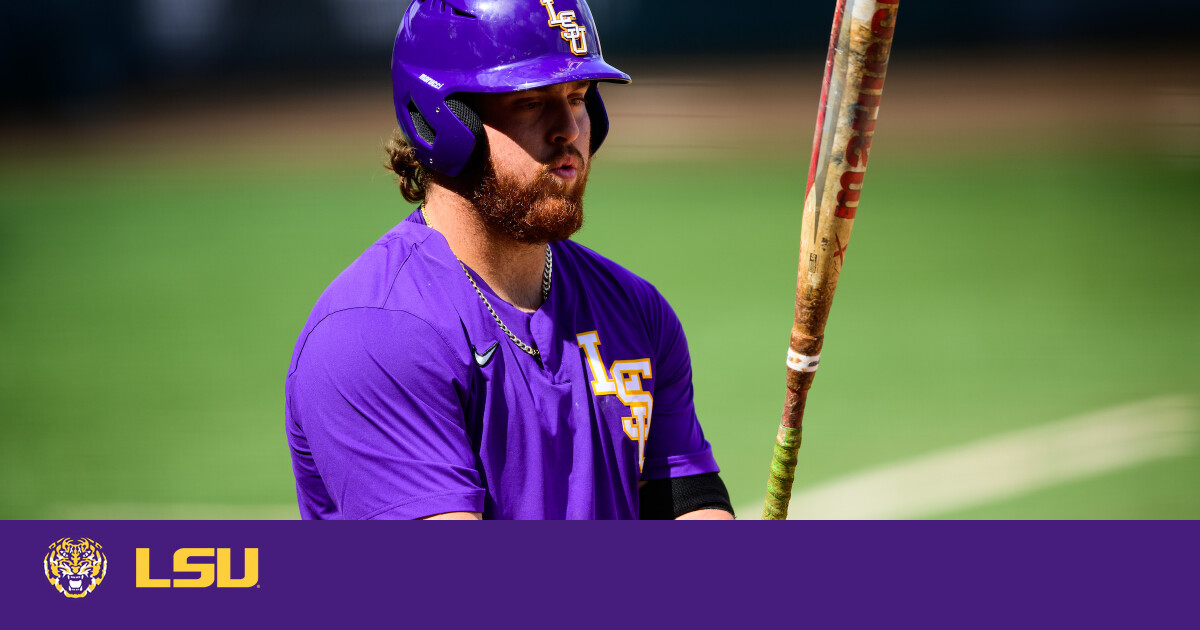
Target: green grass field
[(148, 310)]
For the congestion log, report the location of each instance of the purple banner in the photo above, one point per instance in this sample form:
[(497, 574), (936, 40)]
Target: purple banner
[(583, 575)]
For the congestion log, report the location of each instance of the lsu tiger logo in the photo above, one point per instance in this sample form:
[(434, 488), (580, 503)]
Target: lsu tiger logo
[(571, 32), (75, 566), (623, 380)]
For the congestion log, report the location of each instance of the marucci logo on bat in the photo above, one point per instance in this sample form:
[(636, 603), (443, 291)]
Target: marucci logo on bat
[(883, 28)]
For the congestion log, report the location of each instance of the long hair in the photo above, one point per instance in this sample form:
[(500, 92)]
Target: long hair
[(402, 160)]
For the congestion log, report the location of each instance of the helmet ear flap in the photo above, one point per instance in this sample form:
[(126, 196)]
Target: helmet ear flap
[(420, 125), (446, 132), (468, 117)]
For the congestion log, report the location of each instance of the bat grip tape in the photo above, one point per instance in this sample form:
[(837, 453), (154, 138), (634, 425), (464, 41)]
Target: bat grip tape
[(783, 473)]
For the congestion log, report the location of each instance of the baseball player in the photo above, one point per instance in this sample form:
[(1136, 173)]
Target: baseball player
[(474, 362)]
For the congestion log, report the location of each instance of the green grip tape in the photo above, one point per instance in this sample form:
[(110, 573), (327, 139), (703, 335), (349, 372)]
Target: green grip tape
[(783, 472)]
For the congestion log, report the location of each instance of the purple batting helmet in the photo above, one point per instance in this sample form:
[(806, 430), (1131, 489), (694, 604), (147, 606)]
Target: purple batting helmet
[(445, 47)]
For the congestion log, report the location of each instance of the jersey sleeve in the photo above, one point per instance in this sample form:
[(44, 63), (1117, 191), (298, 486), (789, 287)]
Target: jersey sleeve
[(378, 396), (676, 446)]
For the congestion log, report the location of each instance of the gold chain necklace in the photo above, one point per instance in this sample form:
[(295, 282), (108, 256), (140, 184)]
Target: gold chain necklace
[(547, 273)]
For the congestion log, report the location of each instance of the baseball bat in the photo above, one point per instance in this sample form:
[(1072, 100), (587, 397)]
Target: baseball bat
[(859, 48)]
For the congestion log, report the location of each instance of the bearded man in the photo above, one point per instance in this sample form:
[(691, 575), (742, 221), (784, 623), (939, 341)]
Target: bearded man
[(474, 362)]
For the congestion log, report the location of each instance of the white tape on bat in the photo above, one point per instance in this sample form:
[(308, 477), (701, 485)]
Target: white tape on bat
[(802, 362)]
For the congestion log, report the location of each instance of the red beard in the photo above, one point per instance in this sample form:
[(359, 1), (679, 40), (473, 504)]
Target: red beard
[(546, 209)]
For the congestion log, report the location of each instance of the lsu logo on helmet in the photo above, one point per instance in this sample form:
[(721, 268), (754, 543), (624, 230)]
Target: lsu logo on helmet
[(75, 566), (571, 32)]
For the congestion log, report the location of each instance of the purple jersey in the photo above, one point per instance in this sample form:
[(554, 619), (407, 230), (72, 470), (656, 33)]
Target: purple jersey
[(405, 399)]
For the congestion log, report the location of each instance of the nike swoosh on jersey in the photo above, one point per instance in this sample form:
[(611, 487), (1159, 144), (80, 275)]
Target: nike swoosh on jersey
[(486, 357)]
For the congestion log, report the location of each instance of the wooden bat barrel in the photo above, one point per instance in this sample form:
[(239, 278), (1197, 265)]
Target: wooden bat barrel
[(859, 49)]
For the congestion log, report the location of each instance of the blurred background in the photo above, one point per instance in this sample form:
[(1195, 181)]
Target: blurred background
[(1015, 333)]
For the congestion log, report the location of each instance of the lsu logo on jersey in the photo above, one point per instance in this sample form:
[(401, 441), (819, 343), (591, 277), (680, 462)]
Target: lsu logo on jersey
[(623, 380), (571, 32), (75, 566)]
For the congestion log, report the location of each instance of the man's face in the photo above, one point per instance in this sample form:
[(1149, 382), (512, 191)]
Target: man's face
[(539, 140)]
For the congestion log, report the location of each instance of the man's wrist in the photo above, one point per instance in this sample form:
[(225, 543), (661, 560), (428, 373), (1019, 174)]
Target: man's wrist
[(666, 499)]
